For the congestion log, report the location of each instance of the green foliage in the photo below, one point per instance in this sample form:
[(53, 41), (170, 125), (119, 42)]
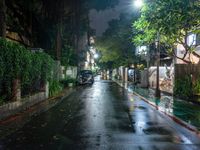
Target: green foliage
[(116, 77), (54, 87), (68, 56), (144, 33), (16, 62), (13, 59), (38, 68), (173, 20), (183, 87), (65, 82), (46, 66), (196, 87), (115, 45)]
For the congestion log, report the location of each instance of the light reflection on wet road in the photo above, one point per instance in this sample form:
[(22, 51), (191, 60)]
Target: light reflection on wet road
[(101, 116)]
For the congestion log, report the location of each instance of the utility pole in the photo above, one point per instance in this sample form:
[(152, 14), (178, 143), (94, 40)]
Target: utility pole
[(157, 92), (148, 64)]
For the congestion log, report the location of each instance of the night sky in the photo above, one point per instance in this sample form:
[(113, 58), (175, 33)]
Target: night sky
[(99, 20)]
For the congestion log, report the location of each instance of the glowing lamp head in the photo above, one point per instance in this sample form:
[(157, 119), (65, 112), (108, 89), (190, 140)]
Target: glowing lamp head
[(138, 3), (96, 56)]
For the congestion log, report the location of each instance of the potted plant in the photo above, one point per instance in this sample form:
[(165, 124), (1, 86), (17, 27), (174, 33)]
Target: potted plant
[(71, 81)]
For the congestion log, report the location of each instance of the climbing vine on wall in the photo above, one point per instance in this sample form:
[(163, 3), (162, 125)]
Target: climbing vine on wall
[(17, 62)]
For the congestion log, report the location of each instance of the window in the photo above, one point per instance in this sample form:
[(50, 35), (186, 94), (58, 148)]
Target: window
[(141, 50), (191, 39)]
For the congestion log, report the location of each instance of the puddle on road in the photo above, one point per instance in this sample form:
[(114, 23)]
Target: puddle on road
[(139, 107), (157, 130), (174, 139), (148, 123), (152, 123)]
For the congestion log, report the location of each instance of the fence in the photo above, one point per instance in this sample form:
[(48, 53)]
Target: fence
[(181, 70)]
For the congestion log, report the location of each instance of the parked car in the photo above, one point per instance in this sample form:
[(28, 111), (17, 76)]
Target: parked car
[(85, 77)]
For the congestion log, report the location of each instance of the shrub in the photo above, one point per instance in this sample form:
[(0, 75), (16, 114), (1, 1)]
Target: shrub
[(196, 87), (183, 87), (115, 76), (54, 87), (65, 82), (17, 62)]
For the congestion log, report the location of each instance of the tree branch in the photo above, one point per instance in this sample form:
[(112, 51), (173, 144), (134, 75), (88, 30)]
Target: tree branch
[(195, 54), (183, 58), (17, 41)]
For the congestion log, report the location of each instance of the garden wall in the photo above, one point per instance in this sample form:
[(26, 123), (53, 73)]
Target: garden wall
[(187, 80), (182, 70)]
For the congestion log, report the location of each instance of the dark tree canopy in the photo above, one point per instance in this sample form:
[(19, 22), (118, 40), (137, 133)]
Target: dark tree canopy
[(115, 44), (102, 4), (32, 17)]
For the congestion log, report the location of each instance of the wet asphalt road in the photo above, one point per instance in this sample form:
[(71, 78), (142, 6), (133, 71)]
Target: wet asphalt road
[(101, 116)]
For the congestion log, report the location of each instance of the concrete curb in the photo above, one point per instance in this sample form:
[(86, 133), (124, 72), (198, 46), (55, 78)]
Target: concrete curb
[(174, 118)]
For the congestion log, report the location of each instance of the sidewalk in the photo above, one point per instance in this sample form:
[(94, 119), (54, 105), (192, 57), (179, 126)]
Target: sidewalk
[(185, 113), (14, 122)]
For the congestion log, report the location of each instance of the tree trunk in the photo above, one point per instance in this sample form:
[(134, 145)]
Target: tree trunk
[(76, 24), (30, 23), (2, 19), (59, 30), (58, 42)]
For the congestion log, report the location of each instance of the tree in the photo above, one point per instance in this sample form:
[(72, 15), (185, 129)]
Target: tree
[(49, 24), (2, 19), (173, 20), (115, 44), (101, 5)]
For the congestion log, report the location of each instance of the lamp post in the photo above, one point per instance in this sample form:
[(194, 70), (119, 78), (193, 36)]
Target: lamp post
[(139, 3), (157, 42)]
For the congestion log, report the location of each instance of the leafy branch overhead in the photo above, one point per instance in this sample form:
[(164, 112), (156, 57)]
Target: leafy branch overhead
[(16, 62), (173, 20), (115, 44)]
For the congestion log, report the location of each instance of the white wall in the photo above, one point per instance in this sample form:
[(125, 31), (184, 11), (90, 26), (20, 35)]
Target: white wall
[(166, 83), (69, 72)]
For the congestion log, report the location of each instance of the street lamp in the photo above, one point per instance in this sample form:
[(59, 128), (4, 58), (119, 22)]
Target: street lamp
[(138, 3), (96, 56)]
